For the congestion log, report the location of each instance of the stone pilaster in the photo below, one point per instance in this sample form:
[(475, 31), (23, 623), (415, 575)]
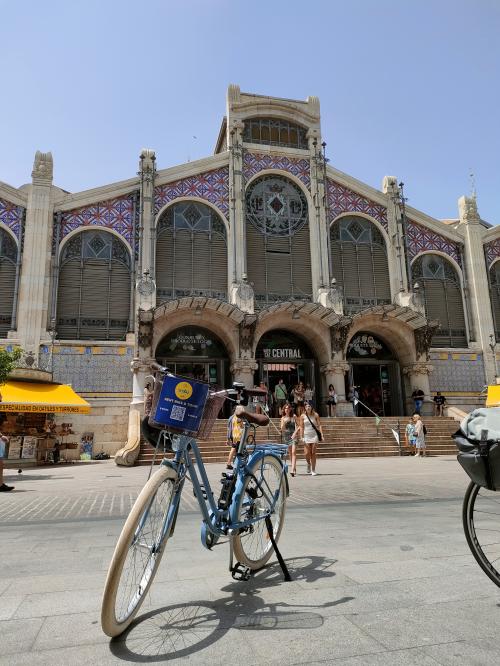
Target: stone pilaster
[(396, 250), (418, 378), (477, 281), (35, 270), (237, 232), (243, 371), (318, 228), (147, 229)]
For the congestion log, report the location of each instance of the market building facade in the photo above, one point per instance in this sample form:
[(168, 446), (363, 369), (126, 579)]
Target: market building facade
[(260, 262)]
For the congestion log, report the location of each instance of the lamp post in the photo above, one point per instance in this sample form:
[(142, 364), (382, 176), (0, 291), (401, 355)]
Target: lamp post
[(493, 347)]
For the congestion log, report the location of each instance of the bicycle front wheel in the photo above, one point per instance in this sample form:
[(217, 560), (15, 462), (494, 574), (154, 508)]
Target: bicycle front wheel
[(481, 520), (252, 546), (138, 552)]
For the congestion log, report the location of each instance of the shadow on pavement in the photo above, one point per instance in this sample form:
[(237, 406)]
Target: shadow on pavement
[(179, 630)]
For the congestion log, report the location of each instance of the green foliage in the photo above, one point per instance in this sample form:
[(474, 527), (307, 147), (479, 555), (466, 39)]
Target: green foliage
[(8, 362)]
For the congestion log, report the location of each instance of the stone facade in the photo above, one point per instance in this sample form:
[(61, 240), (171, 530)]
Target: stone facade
[(42, 219)]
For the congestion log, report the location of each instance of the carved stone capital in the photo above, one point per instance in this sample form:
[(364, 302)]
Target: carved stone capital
[(247, 334), (418, 369), (339, 368), (140, 365), (43, 168), (244, 366), (339, 335), (423, 338)]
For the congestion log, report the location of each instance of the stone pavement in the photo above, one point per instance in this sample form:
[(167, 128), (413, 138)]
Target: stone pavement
[(381, 575)]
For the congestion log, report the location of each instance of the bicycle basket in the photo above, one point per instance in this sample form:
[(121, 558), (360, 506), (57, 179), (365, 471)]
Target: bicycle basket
[(178, 404), (212, 408)]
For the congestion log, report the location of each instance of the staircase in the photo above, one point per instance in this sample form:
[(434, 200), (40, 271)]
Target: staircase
[(346, 437)]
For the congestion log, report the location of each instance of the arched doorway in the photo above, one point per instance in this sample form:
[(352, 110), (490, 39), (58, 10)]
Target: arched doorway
[(195, 352), (281, 354), (375, 372)]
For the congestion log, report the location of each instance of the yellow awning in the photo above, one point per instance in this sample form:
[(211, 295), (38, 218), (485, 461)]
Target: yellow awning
[(493, 397), (41, 398)]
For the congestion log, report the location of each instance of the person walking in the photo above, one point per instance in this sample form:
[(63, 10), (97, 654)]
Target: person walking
[(289, 432), (309, 394), (298, 398), (439, 404), (418, 398), (280, 396), (410, 436), (311, 433), (4, 440), (420, 432), (331, 400)]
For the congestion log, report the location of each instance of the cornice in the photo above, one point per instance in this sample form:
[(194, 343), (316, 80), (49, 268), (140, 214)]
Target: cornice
[(271, 108), (491, 234), (172, 174), (13, 195)]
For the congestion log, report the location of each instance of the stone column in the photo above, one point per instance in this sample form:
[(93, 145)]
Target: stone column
[(35, 270), (334, 373), (395, 251), (418, 378), (318, 231), (237, 259), (476, 274), (147, 229), (243, 371)]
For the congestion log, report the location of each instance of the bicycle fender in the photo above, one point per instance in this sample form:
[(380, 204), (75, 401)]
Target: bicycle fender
[(258, 455)]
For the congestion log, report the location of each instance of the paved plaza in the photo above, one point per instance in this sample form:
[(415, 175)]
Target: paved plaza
[(381, 574)]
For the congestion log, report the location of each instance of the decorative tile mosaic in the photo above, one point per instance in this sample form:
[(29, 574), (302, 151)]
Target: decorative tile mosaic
[(343, 200), (422, 239), (11, 215), (94, 369), (213, 186), (116, 214), (492, 251), (456, 372), (255, 162)]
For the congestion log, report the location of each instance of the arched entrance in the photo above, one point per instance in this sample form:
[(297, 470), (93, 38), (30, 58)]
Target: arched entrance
[(195, 352), (375, 372), (281, 354)]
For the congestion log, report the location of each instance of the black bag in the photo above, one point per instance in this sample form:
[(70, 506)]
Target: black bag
[(478, 443), (425, 430), (318, 433)]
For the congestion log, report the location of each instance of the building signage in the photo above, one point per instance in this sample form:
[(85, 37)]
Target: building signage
[(180, 404), (364, 345), (288, 353)]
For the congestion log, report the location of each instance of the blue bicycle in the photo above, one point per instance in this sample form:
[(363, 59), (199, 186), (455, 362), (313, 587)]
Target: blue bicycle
[(249, 511)]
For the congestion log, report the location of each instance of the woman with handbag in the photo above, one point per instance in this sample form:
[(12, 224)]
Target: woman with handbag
[(312, 433)]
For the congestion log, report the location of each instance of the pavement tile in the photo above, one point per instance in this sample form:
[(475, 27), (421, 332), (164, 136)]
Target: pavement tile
[(471, 653), (9, 604), (55, 583), (18, 635), (410, 657), (70, 630), (60, 603)]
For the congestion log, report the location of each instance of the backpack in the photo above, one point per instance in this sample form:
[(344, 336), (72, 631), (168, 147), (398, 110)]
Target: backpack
[(425, 430), (478, 443)]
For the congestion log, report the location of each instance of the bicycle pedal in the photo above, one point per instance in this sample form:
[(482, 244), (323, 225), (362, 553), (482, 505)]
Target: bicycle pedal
[(241, 572)]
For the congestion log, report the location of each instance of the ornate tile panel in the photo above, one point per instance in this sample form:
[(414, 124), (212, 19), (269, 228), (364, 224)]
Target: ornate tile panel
[(492, 251), (90, 368), (116, 214), (211, 185), (255, 162), (456, 371), (422, 239), (11, 215), (343, 200)]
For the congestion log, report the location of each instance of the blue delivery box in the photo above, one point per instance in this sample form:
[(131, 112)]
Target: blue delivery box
[(179, 404)]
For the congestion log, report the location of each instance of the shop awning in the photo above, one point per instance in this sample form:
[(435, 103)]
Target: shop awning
[(493, 397), (41, 398)]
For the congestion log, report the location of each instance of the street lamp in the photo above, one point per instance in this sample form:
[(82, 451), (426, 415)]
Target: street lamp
[(493, 347)]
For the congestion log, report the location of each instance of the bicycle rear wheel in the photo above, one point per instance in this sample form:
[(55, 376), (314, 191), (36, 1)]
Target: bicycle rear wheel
[(252, 546), (138, 552), (481, 520)]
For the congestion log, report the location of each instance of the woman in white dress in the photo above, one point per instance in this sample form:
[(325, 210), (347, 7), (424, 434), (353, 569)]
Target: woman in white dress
[(312, 433)]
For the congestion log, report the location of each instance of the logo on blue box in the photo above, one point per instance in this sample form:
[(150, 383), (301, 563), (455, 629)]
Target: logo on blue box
[(181, 404)]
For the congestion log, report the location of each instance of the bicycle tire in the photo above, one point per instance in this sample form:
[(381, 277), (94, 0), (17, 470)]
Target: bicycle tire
[(253, 547), (151, 507), (481, 525)]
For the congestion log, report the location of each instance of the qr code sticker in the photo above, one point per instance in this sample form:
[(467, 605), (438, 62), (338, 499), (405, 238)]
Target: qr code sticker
[(177, 413)]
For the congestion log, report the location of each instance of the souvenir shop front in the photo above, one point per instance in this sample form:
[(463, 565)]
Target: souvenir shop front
[(31, 415)]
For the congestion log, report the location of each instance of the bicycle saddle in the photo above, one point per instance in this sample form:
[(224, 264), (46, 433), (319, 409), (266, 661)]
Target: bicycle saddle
[(257, 419)]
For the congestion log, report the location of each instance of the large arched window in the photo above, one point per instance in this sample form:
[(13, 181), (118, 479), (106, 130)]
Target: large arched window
[(440, 286), (495, 297), (359, 263), (191, 252), (8, 257), (274, 132), (278, 252), (93, 297)]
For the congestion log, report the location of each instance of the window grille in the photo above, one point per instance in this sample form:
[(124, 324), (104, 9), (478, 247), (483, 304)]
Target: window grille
[(93, 298), (359, 263), (274, 132), (277, 233), (191, 253), (8, 258), (443, 301)]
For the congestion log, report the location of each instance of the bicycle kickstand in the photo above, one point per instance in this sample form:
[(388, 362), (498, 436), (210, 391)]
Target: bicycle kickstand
[(283, 566)]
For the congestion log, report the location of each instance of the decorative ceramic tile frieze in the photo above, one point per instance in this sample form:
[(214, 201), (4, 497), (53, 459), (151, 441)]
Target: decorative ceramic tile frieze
[(11, 215), (94, 369), (213, 186), (492, 251), (255, 162), (456, 372), (341, 199), (116, 214), (422, 239)]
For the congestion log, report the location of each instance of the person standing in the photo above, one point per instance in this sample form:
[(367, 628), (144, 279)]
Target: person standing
[(4, 440), (289, 432), (298, 398), (309, 394), (418, 398), (419, 435), (410, 436), (331, 401), (311, 433), (280, 396), (439, 404)]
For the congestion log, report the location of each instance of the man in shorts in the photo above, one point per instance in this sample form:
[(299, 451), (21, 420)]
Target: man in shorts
[(4, 488)]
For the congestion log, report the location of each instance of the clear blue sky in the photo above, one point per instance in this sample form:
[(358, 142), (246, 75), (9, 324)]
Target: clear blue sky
[(407, 87)]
